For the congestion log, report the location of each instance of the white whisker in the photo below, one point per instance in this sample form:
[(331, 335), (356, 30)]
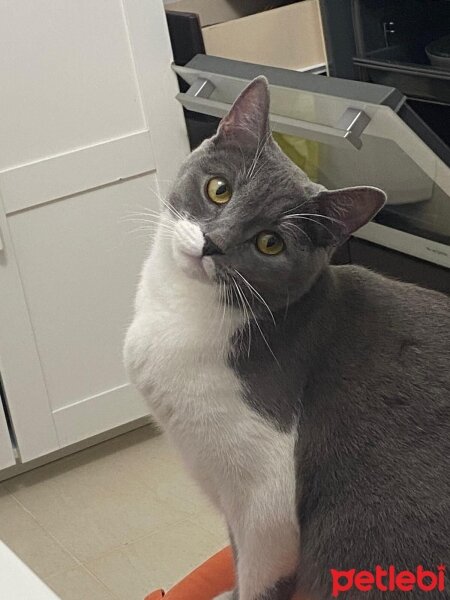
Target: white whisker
[(255, 292), (259, 328), (318, 215), (246, 314)]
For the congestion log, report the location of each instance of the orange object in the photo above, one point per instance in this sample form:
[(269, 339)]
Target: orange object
[(210, 579)]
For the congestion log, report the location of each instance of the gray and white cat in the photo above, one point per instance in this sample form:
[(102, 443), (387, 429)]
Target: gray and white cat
[(310, 402)]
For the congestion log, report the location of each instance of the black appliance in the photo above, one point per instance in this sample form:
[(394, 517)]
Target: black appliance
[(362, 131), (394, 43)]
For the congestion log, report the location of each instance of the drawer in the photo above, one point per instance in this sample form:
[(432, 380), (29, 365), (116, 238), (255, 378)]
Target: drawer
[(288, 36)]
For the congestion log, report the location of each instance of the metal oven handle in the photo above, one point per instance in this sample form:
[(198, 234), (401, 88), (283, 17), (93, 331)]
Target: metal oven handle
[(348, 128)]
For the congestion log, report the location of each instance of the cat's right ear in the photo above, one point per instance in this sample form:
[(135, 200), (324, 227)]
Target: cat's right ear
[(248, 120)]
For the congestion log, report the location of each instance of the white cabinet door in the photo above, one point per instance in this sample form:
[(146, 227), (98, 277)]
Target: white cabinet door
[(90, 132), (6, 451)]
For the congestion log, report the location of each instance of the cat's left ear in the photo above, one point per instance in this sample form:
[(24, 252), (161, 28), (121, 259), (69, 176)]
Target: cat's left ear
[(248, 119), (342, 212)]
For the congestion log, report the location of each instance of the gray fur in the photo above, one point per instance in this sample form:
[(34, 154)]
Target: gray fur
[(358, 363)]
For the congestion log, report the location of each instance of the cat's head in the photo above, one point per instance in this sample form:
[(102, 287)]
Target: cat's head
[(242, 209)]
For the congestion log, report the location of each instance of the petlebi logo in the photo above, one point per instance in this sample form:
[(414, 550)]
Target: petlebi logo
[(388, 580)]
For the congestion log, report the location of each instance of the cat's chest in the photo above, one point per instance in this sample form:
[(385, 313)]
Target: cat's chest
[(177, 349)]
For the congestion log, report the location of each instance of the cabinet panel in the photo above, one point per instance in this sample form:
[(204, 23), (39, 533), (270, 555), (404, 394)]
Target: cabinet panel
[(79, 278), (20, 368), (6, 451), (67, 78)]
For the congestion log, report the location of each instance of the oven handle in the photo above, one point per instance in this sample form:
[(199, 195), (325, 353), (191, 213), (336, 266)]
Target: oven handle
[(349, 127)]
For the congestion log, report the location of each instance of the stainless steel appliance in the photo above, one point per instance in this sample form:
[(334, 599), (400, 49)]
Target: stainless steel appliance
[(349, 132)]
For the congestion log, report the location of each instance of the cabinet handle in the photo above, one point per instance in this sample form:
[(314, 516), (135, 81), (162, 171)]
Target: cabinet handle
[(348, 128), (2, 247)]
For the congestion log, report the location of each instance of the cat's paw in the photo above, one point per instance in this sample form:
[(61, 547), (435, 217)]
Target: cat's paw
[(226, 596)]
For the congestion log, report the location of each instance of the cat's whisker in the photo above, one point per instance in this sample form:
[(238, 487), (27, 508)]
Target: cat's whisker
[(255, 293), (246, 313), (317, 215), (145, 208), (222, 301), (296, 207), (154, 192), (171, 209), (263, 145), (143, 215), (259, 150), (147, 212), (147, 219), (260, 168), (320, 224), (242, 172), (152, 228), (287, 225), (287, 305), (261, 331)]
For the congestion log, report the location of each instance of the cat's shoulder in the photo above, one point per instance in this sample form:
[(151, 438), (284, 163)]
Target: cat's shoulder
[(372, 291)]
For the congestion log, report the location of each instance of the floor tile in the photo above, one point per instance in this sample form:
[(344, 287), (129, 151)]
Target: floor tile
[(79, 584), (118, 572), (96, 501), (29, 541), (157, 561), (214, 523), (127, 509)]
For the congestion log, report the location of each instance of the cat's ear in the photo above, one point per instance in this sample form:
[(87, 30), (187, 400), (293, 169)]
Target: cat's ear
[(248, 119), (341, 212)]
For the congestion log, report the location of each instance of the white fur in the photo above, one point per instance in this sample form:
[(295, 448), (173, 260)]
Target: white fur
[(176, 351)]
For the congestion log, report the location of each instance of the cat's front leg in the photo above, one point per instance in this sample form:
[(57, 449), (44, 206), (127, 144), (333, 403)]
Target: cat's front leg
[(267, 561), (232, 594)]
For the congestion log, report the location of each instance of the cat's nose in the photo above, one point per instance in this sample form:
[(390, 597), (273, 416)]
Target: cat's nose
[(210, 247)]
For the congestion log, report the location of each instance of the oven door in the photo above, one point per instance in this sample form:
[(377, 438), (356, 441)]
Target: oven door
[(345, 133)]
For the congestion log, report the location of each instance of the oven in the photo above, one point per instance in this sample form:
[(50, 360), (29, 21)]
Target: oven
[(399, 43), (346, 122)]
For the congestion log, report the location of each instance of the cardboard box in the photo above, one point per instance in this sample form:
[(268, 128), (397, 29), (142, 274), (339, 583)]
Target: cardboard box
[(288, 36)]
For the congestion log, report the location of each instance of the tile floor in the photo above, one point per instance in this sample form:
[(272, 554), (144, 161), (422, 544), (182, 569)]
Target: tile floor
[(111, 522)]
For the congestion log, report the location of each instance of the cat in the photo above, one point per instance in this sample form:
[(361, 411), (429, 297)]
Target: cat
[(309, 401)]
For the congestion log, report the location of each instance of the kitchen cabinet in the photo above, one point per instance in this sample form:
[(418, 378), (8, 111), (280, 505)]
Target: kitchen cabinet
[(7, 458), (93, 134)]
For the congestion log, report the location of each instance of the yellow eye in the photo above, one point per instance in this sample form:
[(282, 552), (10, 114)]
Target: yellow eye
[(218, 190), (269, 243)]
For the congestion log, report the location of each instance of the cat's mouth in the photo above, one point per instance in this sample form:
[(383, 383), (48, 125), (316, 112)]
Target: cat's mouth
[(187, 246), (197, 267)]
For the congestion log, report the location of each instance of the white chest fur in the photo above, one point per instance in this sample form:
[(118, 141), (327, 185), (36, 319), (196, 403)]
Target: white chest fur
[(176, 351)]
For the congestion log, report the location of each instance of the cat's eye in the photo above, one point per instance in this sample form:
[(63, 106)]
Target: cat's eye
[(218, 190), (269, 243)]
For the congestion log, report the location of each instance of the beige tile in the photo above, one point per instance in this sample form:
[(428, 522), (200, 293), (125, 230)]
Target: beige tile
[(172, 485), (120, 573), (214, 523), (157, 561), (101, 498), (79, 584), (29, 541)]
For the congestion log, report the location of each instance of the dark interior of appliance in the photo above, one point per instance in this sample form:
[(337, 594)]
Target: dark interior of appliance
[(391, 37), (399, 30)]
